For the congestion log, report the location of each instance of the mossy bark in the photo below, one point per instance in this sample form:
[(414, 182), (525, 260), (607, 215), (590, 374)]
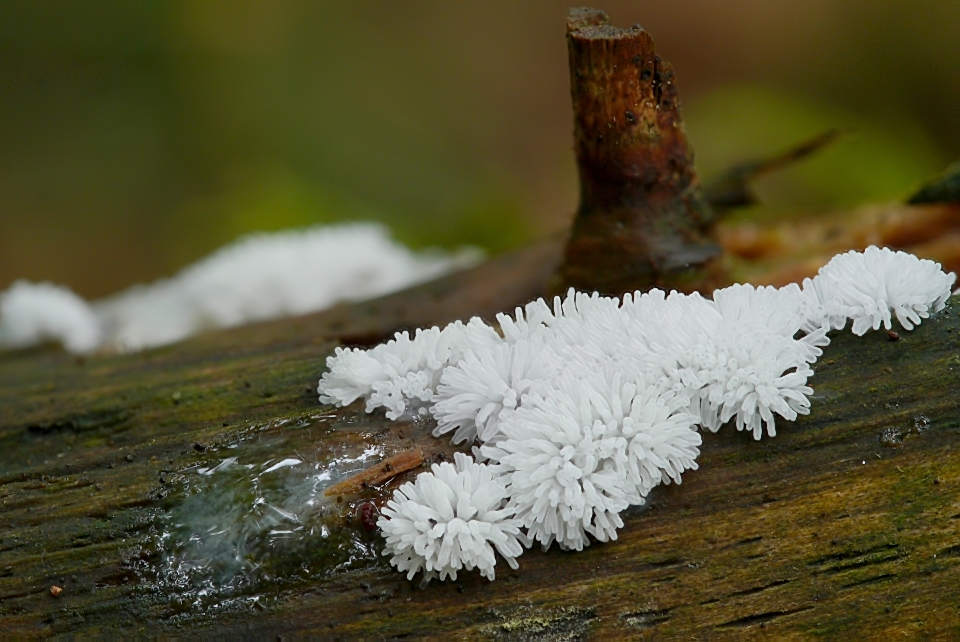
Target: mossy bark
[(844, 524)]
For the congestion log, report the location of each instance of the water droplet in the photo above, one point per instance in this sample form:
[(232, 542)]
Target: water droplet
[(233, 527)]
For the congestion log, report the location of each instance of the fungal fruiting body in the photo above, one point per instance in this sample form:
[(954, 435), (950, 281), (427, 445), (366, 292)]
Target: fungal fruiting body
[(866, 287), (477, 393), (402, 374), (450, 519), (259, 277), (579, 410), (581, 449)]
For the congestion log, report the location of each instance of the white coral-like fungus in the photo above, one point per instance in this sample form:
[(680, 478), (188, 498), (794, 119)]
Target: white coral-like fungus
[(474, 395), (661, 442), (268, 276), (867, 286), (403, 373), (752, 380), (584, 407), (258, 277), (566, 466), (735, 356), (450, 519)]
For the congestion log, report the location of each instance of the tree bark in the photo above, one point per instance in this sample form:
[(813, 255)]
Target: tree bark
[(845, 523), (642, 220)]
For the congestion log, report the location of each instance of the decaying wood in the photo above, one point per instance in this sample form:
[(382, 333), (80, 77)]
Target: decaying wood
[(846, 521), (787, 251), (643, 220)]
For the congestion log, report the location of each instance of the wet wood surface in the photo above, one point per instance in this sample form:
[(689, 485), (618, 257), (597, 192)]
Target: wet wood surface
[(845, 524)]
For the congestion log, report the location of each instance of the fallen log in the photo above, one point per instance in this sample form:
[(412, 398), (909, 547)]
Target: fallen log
[(846, 521)]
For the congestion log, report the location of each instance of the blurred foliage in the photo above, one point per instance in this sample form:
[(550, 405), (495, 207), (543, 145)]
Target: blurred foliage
[(271, 198), (873, 161), (135, 137)]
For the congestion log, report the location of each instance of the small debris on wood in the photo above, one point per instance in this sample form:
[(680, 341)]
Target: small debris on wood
[(368, 516), (378, 474), (891, 437), (943, 189)]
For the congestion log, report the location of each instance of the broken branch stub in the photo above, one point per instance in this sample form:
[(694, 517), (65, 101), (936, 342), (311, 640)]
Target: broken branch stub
[(642, 220)]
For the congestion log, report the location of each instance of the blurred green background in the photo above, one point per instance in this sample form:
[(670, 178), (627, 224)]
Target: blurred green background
[(137, 136)]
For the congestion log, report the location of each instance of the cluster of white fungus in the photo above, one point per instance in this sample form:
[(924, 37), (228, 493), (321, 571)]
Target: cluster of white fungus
[(259, 277), (576, 412), (451, 519)]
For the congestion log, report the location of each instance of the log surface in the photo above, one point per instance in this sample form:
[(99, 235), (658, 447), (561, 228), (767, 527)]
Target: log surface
[(845, 523)]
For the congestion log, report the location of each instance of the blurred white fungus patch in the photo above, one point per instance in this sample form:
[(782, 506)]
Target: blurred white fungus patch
[(257, 278), (32, 313)]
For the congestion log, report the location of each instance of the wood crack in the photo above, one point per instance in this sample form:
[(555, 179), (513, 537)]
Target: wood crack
[(759, 589), (870, 580), (761, 618)]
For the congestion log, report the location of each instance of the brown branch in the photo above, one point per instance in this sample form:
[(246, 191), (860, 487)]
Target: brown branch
[(642, 219), (732, 188)]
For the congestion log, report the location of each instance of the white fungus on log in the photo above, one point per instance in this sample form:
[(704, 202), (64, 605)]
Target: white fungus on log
[(450, 519), (579, 410)]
